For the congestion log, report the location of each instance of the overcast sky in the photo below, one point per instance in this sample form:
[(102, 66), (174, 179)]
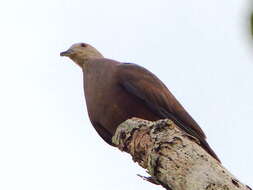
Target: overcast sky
[(200, 49)]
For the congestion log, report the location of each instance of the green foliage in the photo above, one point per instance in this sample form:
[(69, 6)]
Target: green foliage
[(251, 24)]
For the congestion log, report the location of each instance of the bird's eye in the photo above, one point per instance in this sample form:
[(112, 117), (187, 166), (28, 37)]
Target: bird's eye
[(83, 45)]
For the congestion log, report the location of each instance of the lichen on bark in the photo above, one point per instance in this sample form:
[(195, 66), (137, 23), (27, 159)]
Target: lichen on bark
[(173, 158)]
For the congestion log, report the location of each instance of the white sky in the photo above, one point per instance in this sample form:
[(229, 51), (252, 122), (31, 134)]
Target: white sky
[(200, 49)]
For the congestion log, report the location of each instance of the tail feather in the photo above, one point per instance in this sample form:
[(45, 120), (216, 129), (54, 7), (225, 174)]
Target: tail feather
[(207, 147)]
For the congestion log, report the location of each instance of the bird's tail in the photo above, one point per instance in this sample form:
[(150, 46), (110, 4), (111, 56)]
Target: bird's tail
[(202, 140), (207, 147)]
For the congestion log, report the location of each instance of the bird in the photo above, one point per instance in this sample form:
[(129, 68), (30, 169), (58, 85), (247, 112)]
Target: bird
[(116, 91)]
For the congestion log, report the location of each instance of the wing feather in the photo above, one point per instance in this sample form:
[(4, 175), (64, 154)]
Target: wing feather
[(146, 86)]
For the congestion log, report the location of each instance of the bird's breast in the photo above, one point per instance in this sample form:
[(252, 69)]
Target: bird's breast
[(109, 104)]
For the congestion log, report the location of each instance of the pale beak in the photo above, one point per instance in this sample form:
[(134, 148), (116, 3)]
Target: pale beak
[(66, 53)]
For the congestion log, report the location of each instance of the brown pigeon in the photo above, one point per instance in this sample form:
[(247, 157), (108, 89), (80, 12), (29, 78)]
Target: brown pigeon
[(116, 91)]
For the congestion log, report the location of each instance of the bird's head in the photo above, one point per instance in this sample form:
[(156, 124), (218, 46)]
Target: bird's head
[(81, 52)]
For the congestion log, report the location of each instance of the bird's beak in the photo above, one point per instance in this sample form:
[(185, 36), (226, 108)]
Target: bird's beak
[(66, 53)]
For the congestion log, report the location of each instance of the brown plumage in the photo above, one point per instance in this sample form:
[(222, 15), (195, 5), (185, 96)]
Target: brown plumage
[(116, 91)]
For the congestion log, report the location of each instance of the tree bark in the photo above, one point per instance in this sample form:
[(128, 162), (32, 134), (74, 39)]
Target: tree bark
[(173, 158)]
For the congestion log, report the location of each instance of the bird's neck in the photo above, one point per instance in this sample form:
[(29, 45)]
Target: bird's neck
[(82, 61)]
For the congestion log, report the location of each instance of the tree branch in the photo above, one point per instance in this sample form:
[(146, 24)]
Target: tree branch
[(173, 158)]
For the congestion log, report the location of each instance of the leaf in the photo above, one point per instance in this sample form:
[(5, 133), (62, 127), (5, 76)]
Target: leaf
[(251, 24)]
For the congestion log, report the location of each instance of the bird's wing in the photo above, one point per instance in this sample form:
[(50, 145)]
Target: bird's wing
[(146, 86)]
